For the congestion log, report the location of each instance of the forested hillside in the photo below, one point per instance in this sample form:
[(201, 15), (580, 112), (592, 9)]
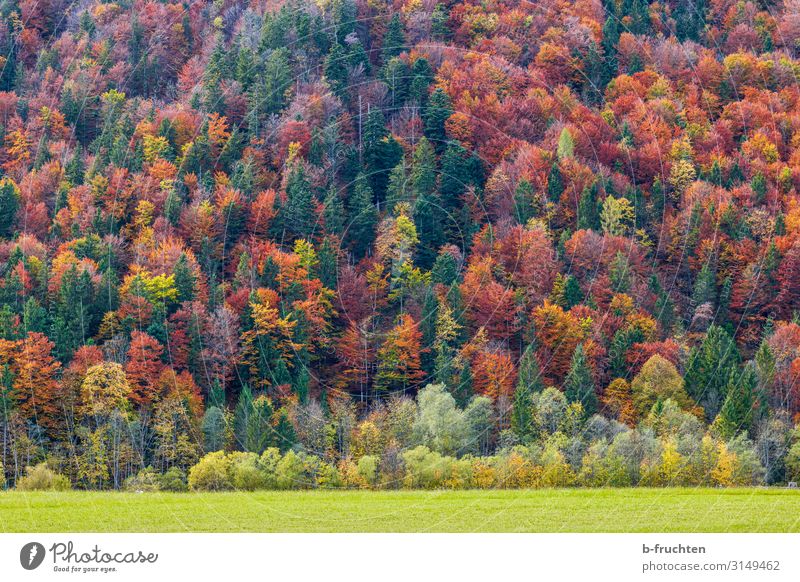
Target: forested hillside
[(249, 226)]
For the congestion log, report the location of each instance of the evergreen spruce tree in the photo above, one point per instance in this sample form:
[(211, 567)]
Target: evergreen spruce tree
[(708, 370), (335, 68), (529, 382), (429, 214), (572, 292), (9, 203), (298, 212), (381, 153), (328, 267), (555, 184), (588, 209), (363, 218), (705, 286), (185, 281), (610, 40), (398, 187), (738, 411), (579, 385), (421, 79), (439, 109), (333, 213), (394, 40), (524, 208)]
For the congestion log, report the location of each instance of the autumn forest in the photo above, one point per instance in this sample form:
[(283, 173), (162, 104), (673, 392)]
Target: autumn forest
[(358, 244)]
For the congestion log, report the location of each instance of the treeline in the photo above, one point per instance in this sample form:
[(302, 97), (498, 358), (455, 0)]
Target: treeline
[(432, 444)]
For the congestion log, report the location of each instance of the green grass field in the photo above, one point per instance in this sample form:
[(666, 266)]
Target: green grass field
[(568, 510)]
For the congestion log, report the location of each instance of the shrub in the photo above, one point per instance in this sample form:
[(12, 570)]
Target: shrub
[(555, 470), (145, 480), (484, 473), (328, 477), (459, 474), (268, 465), (173, 480), (514, 469), (351, 478), (793, 463), (42, 478), (291, 472), (211, 473), (245, 474), (426, 469), (368, 469)]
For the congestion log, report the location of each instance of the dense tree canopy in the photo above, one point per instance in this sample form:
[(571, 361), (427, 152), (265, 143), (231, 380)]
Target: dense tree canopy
[(267, 226)]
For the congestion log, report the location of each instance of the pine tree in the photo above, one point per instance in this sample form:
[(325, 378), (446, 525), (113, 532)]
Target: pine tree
[(429, 215), (335, 68), (381, 153), (333, 213), (588, 209), (185, 281), (75, 168), (738, 411), (439, 109), (328, 259), (430, 312), (759, 186), (705, 286), (394, 40), (455, 176), (395, 75), (610, 40), (529, 382), (572, 292), (579, 385), (524, 207), (463, 391), (398, 189), (422, 77), (439, 18), (298, 213), (357, 57), (707, 372), (555, 184), (241, 416), (363, 218), (285, 436), (9, 202)]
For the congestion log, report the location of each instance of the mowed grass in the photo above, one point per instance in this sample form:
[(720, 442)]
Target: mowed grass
[(562, 510)]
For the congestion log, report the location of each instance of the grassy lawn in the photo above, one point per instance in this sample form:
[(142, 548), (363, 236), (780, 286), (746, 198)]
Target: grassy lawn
[(565, 510)]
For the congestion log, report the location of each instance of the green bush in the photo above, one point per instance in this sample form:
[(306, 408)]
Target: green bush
[(368, 469), (245, 473), (291, 472), (42, 478), (211, 473), (268, 465), (173, 480), (426, 469), (328, 477), (146, 479)]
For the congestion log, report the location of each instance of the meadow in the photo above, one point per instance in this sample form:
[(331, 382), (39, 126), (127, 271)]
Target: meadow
[(555, 510)]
